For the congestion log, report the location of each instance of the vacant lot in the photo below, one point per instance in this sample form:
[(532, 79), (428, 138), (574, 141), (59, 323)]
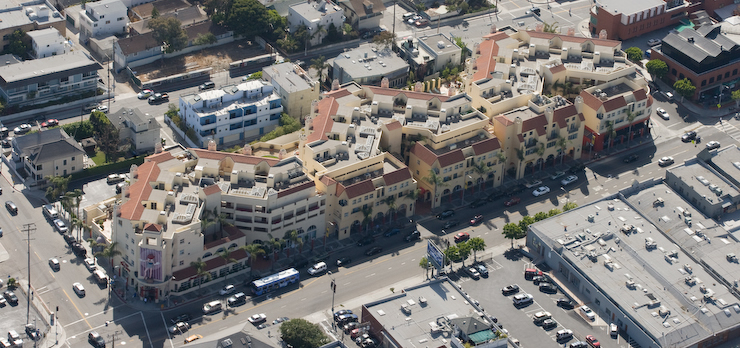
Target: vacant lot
[(217, 58)]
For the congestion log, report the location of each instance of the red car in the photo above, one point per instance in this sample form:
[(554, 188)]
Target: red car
[(476, 220), (512, 201), (592, 341), (461, 237), (50, 123)]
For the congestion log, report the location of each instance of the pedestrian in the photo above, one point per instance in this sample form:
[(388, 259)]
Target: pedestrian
[(570, 13)]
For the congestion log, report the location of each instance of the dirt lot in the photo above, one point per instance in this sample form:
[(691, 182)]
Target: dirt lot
[(217, 58)]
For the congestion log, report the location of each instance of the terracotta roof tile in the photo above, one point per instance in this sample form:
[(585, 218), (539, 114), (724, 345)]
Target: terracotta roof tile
[(397, 176), (337, 94), (211, 190), (323, 123), (153, 227), (558, 68), (212, 264), (615, 103), (640, 94), (520, 137), (504, 120), (160, 157), (562, 113), (537, 123), (360, 188), (340, 189), (393, 125), (450, 158), (297, 188), (486, 146), (232, 233), (486, 61), (591, 100), (424, 154), (139, 191), (328, 181)]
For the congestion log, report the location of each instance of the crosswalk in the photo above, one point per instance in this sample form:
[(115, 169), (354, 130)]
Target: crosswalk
[(728, 128)]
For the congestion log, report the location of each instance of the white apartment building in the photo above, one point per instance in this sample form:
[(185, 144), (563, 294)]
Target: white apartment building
[(232, 114), (47, 42), (158, 226), (315, 15), (103, 18)]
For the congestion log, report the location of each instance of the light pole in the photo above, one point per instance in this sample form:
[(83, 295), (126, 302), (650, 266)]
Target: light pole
[(567, 193), (333, 291)]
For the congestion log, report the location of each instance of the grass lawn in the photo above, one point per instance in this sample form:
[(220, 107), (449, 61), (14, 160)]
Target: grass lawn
[(99, 158)]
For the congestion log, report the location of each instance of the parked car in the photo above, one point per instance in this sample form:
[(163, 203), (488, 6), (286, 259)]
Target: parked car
[(450, 224), (22, 129), (50, 123), (565, 303), (613, 330), (548, 288), (549, 324), (512, 201), (374, 250), (587, 312), (365, 241), (206, 86), (412, 236), (568, 180), (557, 175), (472, 272), (665, 161), (654, 42), (391, 232), (522, 299), (344, 261), (60, 226), (179, 327), (114, 178), (10, 297), (258, 318), (15, 338), (578, 344), (563, 334), (541, 316), (482, 269), (461, 237), (662, 113), (478, 203), (227, 290), (32, 332), (145, 94), (541, 191), (510, 289), (446, 214), (712, 145), (340, 313), (103, 108), (592, 341), (476, 220), (533, 184), (631, 158), (539, 279)]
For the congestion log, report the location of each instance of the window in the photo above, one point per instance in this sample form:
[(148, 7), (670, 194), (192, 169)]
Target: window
[(674, 72), (65, 162), (719, 77), (38, 167), (703, 83), (734, 72), (182, 252), (107, 22), (73, 168), (711, 80), (182, 241), (727, 74), (182, 263)]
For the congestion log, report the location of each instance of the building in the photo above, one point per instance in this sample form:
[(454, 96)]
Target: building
[(28, 16), (138, 50), (158, 224), (47, 42), (136, 130), (103, 18), (661, 271), (295, 87), (232, 114), (368, 65), (187, 16), (608, 107), (144, 10), (317, 17), (542, 133), (46, 79), (48, 153), (428, 55), (625, 19), (365, 14), (708, 56)]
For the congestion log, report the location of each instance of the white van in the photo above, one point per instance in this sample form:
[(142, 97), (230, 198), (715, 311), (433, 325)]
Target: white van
[(50, 211), (212, 307), (408, 15), (101, 277), (317, 268)]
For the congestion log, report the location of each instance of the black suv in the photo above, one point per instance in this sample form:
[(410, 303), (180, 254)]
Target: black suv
[(478, 203), (631, 158), (446, 214), (548, 288), (450, 224), (374, 250), (96, 340), (366, 240), (413, 236)]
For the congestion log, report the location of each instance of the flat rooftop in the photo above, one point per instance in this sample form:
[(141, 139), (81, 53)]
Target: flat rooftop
[(290, 76), (706, 183), (367, 61), (628, 7), (14, 13), (645, 280)]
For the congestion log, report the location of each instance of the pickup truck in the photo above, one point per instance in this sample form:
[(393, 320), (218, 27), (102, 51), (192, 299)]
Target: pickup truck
[(159, 98)]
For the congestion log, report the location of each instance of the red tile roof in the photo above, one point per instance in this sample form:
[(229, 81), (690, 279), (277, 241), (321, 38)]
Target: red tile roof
[(486, 146), (503, 120), (591, 100), (640, 94), (558, 68), (340, 189), (537, 123), (424, 154), (323, 122), (486, 61), (562, 113), (577, 39), (328, 181), (397, 176), (153, 227), (615, 103), (236, 157), (393, 125), (337, 94), (232, 233), (211, 190), (450, 158), (297, 188), (212, 264), (360, 188), (139, 191)]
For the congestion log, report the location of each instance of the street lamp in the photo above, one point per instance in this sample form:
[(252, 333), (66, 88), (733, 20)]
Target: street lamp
[(333, 291)]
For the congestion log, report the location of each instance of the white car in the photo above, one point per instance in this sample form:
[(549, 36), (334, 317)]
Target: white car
[(227, 290), (103, 108), (557, 175), (713, 145), (568, 180), (533, 184), (144, 94), (22, 129), (588, 313), (60, 226), (90, 264), (257, 318), (79, 289), (522, 299), (564, 334), (179, 327), (662, 113), (654, 42), (15, 338), (665, 161), (541, 191), (613, 330)]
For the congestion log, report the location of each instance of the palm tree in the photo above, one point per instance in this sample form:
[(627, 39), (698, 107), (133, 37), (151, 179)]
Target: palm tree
[(610, 132), (520, 156), (630, 117), (390, 201), (319, 31), (78, 225), (226, 255), (200, 271), (481, 169), (288, 43), (109, 252), (551, 28), (294, 238), (367, 213), (413, 196), (426, 265), (436, 181), (477, 244), (320, 64), (57, 187), (541, 153), (562, 143), (94, 245)]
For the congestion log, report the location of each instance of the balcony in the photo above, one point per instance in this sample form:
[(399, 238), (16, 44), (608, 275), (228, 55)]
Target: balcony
[(572, 130)]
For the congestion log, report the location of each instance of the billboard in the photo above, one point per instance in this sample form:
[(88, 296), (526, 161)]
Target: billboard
[(435, 255)]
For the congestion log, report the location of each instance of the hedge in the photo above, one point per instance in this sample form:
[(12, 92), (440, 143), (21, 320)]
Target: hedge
[(108, 168)]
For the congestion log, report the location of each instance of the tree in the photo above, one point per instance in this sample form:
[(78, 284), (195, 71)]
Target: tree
[(562, 144), (168, 30), (390, 201), (525, 222), (464, 249), (319, 64), (541, 153), (288, 43), (569, 206), (200, 271), (452, 253), (513, 231), (610, 132), (553, 212), (108, 141), (57, 187), (367, 213), (109, 252), (634, 54), (226, 256), (550, 28), (425, 265), (736, 97), (630, 117), (155, 12), (476, 244), (685, 88), (253, 250), (385, 39), (436, 180), (300, 333), (481, 169), (248, 18), (16, 45), (463, 48), (320, 30), (657, 68), (205, 39)]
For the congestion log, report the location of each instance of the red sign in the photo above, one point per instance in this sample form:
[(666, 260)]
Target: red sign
[(125, 265)]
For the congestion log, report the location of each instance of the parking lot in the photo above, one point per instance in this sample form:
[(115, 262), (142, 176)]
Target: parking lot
[(14, 317), (508, 269)]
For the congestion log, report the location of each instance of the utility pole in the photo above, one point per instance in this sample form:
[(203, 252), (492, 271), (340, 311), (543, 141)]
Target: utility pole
[(394, 18), (28, 228), (113, 338), (333, 292)]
